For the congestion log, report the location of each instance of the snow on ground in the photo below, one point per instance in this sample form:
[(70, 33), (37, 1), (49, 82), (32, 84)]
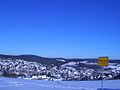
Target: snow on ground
[(20, 84), (69, 64), (113, 66), (62, 60), (88, 63)]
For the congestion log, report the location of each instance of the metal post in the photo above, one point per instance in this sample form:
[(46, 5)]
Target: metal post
[(102, 78)]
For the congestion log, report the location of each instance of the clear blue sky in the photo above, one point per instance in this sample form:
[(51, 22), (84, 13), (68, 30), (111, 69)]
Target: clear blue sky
[(60, 28)]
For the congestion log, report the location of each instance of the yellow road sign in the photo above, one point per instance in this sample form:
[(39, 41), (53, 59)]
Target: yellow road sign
[(103, 61)]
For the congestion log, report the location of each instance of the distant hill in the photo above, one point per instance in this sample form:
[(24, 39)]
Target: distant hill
[(32, 58), (46, 60)]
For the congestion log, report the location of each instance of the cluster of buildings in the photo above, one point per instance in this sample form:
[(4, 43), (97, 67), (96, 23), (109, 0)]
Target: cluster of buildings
[(33, 70)]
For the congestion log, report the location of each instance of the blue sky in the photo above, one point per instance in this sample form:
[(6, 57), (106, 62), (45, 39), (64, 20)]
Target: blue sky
[(60, 28)]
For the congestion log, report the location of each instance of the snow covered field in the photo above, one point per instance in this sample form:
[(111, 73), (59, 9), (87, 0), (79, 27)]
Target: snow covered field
[(21, 84)]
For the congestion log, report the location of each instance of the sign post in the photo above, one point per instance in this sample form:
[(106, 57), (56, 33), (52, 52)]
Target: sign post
[(103, 61)]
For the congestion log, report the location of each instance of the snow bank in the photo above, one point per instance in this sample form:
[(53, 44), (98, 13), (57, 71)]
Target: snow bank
[(20, 84)]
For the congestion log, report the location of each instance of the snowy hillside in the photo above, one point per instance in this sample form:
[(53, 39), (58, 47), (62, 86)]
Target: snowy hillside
[(20, 84), (56, 69)]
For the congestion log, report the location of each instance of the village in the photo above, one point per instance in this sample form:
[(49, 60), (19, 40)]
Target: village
[(34, 70)]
